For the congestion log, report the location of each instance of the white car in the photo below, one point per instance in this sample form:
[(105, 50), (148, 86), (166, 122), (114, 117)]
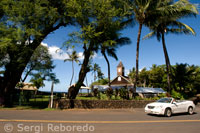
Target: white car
[(168, 106)]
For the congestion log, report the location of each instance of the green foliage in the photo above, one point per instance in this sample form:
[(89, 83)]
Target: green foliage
[(185, 78), (38, 80), (96, 92), (40, 62), (152, 98), (96, 70), (103, 96), (177, 95), (24, 24), (73, 57), (123, 93), (109, 92), (100, 82), (162, 95)]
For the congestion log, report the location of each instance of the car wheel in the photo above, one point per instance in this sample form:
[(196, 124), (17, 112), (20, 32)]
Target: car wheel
[(190, 110), (168, 112)]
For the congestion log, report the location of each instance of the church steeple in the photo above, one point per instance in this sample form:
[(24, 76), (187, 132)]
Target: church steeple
[(120, 69)]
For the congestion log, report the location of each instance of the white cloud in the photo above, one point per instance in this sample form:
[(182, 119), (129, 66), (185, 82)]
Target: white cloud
[(127, 71), (44, 44), (59, 54), (80, 55)]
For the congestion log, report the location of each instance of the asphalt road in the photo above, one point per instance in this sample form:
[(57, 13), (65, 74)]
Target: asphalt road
[(100, 121)]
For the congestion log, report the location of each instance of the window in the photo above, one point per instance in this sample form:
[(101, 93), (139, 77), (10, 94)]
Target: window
[(119, 79), (119, 69)]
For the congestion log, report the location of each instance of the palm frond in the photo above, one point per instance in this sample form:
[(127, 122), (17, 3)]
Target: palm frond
[(123, 41), (150, 35), (180, 28), (112, 53)]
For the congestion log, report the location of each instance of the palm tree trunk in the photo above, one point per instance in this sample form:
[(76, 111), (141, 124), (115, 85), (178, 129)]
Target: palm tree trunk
[(137, 59), (94, 74), (108, 67), (72, 73), (168, 66)]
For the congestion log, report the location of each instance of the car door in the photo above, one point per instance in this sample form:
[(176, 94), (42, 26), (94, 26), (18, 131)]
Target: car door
[(177, 107)]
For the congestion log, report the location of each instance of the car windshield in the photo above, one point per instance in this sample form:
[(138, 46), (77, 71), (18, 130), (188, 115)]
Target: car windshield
[(164, 100)]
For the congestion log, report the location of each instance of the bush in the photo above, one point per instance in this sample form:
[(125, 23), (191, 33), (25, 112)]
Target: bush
[(103, 96), (162, 95), (177, 95), (109, 92), (123, 93), (95, 91)]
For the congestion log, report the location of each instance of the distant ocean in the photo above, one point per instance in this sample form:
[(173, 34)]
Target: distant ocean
[(80, 91)]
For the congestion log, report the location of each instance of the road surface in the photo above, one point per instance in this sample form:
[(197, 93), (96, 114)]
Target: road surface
[(98, 120)]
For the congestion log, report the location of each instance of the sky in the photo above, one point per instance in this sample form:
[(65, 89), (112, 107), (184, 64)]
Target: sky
[(181, 49)]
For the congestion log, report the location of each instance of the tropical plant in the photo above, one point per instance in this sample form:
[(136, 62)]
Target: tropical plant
[(109, 47), (144, 77), (166, 20), (97, 21), (73, 57), (142, 10), (95, 69)]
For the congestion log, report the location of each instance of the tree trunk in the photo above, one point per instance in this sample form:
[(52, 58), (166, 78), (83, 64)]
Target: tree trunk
[(108, 63), (17, 64), (168, 66), (73, 92), (137, 60), (72, 73), (12, 76)]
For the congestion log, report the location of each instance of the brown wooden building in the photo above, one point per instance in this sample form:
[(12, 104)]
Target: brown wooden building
[(121, 79)]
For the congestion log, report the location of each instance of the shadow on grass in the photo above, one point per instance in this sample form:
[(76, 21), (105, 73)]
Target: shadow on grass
[(32, 105)]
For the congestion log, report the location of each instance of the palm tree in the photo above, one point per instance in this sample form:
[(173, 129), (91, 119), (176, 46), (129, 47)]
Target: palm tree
[(110, 50), (95, 69), (141, 10), (167, 22), (72, 57)]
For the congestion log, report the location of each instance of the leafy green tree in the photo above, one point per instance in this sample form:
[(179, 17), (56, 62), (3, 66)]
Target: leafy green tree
[(100, 82), (184, 76), (94, 28), (156, 75), (144, 77), (73, 57), (166, 21), (26, 24), (131, 74), (41, 61)]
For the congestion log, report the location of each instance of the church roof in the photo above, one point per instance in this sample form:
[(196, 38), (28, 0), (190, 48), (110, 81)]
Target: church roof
[(120, 64)]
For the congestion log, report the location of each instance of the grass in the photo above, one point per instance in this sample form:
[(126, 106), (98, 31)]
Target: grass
[(86, 98)]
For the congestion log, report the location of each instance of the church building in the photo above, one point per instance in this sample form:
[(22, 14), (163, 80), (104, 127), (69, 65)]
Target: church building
[(121, 79)]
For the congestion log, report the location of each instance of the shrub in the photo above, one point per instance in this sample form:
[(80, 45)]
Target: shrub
[(103, 96), (162, 95), (109, 92), (176, 95), (123, 93), (95, 91)]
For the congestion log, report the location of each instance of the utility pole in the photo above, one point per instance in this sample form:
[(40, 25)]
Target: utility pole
[(52, 85)]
